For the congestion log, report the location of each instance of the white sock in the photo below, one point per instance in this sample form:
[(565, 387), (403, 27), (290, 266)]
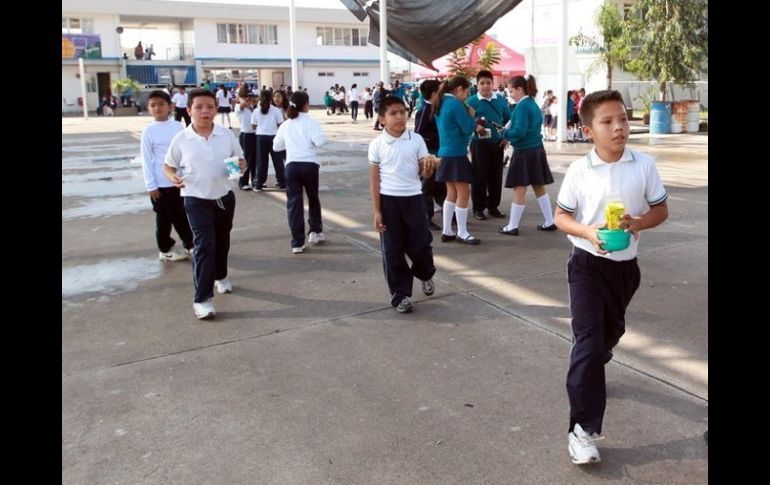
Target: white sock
[(446, 216), (516, 212), (462, 222), (545, 208)]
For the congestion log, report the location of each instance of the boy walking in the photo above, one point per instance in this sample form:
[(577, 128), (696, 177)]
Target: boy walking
[(398, 157), (166, 200), (195, 163), (601, 283)]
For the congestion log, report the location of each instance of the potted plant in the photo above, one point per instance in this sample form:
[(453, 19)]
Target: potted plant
[(646, 98), (126, 90)]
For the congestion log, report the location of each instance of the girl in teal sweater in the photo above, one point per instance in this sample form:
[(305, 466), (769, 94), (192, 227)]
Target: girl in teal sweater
[(529, 165)]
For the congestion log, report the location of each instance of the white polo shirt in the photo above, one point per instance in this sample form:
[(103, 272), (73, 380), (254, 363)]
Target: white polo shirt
[(200, 162), (244, 115), (156, 139), (267, 123), (180, 100), (299, 137), (590, 182), (398, 159)]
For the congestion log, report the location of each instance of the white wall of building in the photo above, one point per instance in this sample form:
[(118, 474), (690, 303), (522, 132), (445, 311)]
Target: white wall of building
[(343, 75), (206, 45)]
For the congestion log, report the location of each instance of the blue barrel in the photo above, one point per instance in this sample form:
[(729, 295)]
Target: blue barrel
[(660, 118)]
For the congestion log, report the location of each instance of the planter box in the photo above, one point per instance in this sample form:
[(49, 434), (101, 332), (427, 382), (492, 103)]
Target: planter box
[(125, 111)]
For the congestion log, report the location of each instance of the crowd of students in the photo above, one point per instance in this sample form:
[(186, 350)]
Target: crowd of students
[(410, 171)]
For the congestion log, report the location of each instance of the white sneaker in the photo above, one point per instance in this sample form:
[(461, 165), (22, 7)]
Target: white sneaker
[(223, 285), (428, 287), (204, 310), (316, 238), (174, 255), (582, 448), (298, 250)]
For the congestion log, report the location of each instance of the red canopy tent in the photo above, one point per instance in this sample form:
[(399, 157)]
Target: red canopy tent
[(511, 62)]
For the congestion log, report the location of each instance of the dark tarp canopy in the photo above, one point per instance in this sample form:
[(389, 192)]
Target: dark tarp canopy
[(423, 30)]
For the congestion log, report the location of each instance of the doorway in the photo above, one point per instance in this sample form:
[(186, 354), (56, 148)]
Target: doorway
[(277, 79), (103, 87)]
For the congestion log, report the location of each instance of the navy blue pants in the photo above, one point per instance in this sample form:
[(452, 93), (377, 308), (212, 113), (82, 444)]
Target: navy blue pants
[(265, 150), (211, 221), (301, 175), (407, 234), (169, 210), (487, 163), (249, 145), (599, 292), (432, 191)]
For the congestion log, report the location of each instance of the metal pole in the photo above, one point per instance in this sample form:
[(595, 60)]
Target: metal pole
[(83, 87), (384, 71), (293, 46), (561, 132)]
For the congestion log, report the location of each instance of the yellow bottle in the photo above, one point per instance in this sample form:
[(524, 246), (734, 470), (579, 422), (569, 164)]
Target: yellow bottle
[(613, 214)]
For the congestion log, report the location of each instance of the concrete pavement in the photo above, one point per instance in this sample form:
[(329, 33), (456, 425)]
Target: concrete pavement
[(308, 376)]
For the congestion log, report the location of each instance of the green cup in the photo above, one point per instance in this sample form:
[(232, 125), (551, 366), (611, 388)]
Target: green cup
[(614, 239)]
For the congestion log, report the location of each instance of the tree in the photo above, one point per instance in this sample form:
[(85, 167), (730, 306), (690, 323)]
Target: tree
[(668, 41), (612, 51), (490, 56), (459, 64)]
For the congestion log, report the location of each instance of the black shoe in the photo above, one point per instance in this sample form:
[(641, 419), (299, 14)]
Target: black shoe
[(480, 215), (470, 240), (432, 225), (541, 227), (445, 238), (496, 213), (510, 232)]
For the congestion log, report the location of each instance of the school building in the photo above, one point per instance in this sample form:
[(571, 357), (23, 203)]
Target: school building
[(194, 41)]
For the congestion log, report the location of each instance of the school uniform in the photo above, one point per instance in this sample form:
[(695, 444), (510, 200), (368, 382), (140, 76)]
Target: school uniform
[(529, 165), (455, 127), (401, 204), (180, 107), (299, 137), (267, 126), (248, 141), (425, 126), (169, 208), (487, 154), (601, 286), (208, 200)]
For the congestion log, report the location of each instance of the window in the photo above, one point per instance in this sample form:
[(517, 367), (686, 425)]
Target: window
[(247, 34), (325, 74), (341, 36), (360, 74), (70, 25)]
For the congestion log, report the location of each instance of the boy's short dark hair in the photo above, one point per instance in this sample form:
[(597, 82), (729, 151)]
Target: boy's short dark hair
[(387, 101), (200, 92), (593, 100), (484, 74), (157, 93), (428, 87)]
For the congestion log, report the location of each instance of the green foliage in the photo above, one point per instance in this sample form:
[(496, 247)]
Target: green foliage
[(612, 51), (459, 64), (668, 41), (646, 98), (490, 57), (122, 85)]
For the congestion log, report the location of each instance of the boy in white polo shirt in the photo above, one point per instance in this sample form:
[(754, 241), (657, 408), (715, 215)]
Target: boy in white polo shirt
[(398, 157), (195, 163), (166, 201), (601, 283)]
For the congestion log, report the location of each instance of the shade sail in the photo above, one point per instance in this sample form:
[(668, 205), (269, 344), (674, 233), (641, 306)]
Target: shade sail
[(423, 30)]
